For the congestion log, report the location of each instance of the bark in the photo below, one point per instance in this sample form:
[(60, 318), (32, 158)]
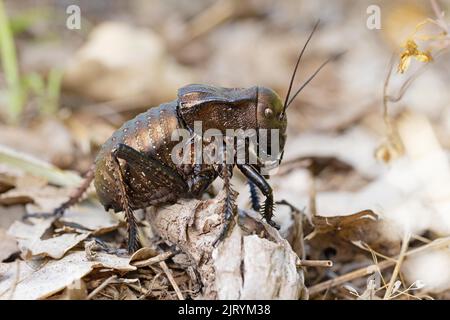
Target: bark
[(252, 262)]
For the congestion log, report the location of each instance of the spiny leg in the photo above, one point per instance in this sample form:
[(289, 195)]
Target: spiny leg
[(153, 168), (151, 174), (74, 198), (254, 176), (254, 196), (133, 241), (230, 197)]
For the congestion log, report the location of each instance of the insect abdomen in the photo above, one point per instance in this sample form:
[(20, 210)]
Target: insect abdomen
[(149, 133)]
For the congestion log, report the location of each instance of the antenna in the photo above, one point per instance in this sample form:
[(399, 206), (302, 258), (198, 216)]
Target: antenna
[(296, 66), (333, 58)]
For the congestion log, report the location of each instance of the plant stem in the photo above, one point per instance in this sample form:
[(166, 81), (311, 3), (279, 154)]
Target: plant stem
[(10, 67), (53, 91)]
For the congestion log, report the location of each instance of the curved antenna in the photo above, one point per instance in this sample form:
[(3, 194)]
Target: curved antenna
[(297, 64), (335, 57)]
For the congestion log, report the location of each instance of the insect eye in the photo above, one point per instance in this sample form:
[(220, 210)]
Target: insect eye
[(268, 112)]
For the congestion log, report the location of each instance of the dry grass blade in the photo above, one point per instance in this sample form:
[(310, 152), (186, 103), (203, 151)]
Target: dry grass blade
[(401, 256), (101, 287), (439, 15), (442, 242), (150, 261), (38, 167), (349, 277), (172, 281)]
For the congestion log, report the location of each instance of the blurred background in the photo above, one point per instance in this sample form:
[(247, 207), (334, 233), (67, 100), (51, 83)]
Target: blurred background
[(67, 81), (124, 57)]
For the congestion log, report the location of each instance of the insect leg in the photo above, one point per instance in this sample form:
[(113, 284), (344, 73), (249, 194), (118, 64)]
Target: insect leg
[(230, 197), (74, 198), (133, 241), (162, 173), (254, 196), (153, 174), (266, 189)]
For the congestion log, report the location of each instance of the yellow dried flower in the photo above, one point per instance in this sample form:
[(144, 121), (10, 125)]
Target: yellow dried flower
[(412, 51)]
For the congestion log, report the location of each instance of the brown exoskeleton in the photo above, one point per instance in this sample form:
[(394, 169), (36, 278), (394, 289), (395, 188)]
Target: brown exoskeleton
[(134, 168)]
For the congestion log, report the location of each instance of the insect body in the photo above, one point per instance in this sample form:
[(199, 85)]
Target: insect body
[(135, 168)]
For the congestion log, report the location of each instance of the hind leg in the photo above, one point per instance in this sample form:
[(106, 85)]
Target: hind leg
[(133, 240), (74, 198), (152, 175)]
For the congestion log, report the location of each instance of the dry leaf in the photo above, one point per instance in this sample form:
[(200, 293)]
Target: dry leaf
[(55, 275), (77, 290), (350, 227), (11, 274), (143, 254), (30, 243), (8, 245), (45, 198), (91, 217)]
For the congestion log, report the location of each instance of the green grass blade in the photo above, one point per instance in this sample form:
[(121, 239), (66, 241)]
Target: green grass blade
[(10, 67), (53, 91), (38, 168)]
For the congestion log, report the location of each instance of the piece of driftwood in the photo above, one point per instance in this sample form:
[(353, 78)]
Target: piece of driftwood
[(253, 262)]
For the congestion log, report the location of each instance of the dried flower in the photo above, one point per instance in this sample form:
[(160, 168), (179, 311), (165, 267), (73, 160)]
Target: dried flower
[(412, 51)]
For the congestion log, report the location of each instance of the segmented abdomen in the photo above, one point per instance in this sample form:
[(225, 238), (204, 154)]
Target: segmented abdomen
[(150, 133)]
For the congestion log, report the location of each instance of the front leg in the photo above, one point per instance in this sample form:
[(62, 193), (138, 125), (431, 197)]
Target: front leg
[(254, 196), (254, 176)]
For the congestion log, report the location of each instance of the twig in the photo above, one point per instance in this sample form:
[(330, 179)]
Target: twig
[(169, 275), (153, 260), (150, 289), (420, 238), (312, 196), (350, 276), (315, 263), (396, 271), (439, 15), (101, 287), (399, 95), (375, 254), (370, 269)]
